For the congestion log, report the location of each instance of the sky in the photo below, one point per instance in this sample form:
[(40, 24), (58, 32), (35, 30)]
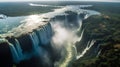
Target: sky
[(60, 0)]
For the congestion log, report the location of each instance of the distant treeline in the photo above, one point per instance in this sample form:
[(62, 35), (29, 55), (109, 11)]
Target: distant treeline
[(22, 9)]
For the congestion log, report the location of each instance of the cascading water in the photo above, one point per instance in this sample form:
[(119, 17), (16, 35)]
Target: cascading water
[(35, 41), (89, 45), (47, 38), (14, 53), (18, 48)]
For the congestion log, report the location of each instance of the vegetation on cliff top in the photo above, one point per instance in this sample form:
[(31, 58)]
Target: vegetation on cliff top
[(105, 29)]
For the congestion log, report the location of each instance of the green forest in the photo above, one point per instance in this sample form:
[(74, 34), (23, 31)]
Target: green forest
[(105, 28)]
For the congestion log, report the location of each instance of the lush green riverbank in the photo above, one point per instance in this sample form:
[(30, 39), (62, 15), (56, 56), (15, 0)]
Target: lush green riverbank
[(105, 29)]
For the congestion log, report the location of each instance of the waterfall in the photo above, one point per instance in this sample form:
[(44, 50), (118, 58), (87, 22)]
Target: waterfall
[(86, 16), (89, 45), (48, 36), (79, 39), (66, 21), (79, 22), (40, 35), (44, 36), (35, 40), (72, 38), (19, 50), (15, 55), (99, 52)]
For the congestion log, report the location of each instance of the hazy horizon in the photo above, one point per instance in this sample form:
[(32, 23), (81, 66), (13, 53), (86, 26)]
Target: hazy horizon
[(60, 0)]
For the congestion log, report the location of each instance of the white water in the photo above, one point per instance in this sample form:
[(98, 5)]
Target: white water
[(42, 5), (42, 38), (18, 49), (15, 55), (89, 45), (62, 36), (35, 40), (99, 53), (68, 38)]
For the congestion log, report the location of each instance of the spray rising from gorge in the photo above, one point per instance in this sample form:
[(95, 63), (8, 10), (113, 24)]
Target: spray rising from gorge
[(49, 37)]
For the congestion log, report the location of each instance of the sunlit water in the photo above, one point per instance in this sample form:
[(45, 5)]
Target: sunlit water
[(62, 37), (9, 23)]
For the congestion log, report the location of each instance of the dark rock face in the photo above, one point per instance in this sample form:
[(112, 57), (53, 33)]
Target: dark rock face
[(5, 55), (35, 49), (25, 42), (29, 49)]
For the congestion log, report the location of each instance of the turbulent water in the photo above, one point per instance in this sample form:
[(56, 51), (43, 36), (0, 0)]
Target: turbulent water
[(49, 37)]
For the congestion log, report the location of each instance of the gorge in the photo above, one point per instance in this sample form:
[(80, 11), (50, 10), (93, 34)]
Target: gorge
[(48, 40)]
